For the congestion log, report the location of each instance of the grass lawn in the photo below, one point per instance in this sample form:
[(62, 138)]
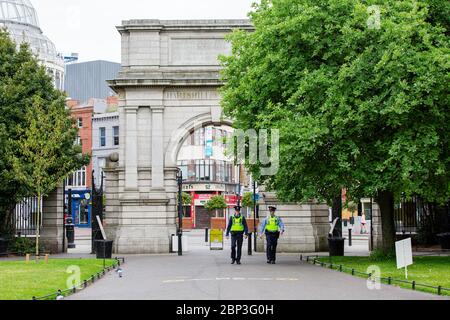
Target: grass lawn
[(22, 281), (434, 271)]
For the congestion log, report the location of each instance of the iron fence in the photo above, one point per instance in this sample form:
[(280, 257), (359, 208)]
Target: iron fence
[(25, 217), (316, 260), (84, 284), (411, 213)]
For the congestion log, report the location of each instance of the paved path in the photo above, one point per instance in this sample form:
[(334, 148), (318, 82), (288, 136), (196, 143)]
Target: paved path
[(205, 275)]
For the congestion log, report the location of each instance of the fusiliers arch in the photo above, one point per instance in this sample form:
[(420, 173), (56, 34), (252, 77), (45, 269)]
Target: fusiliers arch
[(169, 83)]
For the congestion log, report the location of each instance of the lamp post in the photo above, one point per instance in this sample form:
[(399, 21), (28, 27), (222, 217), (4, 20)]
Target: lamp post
[(180, 212), (254, 215)]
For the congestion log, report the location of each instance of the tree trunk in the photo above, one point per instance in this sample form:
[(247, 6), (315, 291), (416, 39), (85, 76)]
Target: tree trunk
[(38, 225), (337, 213), (385, 200)]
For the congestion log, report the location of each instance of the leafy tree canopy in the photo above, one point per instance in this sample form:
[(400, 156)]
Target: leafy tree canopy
[(25, 87), (216, 203), (359, 105)]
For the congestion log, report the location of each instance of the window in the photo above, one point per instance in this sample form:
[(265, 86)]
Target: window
[(102, 137), (77, 179), (116, 136), (78, 141), (80, 123)]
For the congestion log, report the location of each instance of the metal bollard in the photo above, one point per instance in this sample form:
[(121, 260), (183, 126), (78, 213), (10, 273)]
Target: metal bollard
[(349, 237), (206, 235), (250, 244)]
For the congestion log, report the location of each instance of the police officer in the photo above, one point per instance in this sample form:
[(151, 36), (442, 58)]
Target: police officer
[(272, 227), (237, 226)]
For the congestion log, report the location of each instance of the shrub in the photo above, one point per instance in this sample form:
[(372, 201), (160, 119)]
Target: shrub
[(22, 246)]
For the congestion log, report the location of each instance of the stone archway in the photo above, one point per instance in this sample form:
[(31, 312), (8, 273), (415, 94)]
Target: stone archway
[(168, 84)]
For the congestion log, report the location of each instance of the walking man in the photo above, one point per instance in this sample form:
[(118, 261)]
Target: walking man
[(272, 227), (237, 226)]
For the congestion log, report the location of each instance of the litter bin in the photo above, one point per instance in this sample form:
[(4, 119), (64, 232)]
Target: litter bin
[(444, 240), (103, 249), (70, 234), (336, 246), (3, 246)]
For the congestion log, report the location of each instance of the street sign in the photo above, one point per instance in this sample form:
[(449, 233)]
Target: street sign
[(216, 240), (403, 251)]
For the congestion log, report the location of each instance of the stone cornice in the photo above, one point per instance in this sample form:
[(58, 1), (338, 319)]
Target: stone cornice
[(126, 83), (185, 25)]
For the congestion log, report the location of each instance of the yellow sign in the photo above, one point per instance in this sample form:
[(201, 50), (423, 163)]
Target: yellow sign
[(216, 240)]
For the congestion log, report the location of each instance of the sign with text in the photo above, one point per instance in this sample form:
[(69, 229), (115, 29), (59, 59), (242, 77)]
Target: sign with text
[(216, 240), (403, 251)]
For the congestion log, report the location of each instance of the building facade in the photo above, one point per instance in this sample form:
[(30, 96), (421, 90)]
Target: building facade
[(105, 137), (87, 80), (208, 172), (80, 181), (168, 88)]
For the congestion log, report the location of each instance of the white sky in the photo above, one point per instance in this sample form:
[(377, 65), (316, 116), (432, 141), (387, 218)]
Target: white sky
[(88, 26)]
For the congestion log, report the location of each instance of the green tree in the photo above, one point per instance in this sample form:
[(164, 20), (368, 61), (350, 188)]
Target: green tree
[(248, 201), (187, 201), (45, 152), (26, 90), (216, 203), (359, 104)]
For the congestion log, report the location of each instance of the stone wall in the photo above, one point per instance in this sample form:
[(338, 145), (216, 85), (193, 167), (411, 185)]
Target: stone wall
[(52, 230), (306, 225)]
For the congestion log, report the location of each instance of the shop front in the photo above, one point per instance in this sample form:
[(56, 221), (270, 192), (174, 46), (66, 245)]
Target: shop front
[(81, 208), (198, 217)]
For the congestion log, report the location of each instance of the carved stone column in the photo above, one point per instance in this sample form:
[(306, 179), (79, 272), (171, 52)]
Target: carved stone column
[(157, 147), (131, 149)]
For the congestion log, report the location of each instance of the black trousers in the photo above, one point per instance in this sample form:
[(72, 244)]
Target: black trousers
[(272, 243), (237, 239)]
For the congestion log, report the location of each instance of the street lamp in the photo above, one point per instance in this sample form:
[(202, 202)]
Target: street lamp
[(180, 211), (254, 214)]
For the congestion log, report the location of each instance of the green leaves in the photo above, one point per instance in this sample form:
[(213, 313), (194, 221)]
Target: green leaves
[(37, 133), (216, 203), (361, 108)]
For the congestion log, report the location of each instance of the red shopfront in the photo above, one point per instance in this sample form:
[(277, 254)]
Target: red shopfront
[(200, 218)]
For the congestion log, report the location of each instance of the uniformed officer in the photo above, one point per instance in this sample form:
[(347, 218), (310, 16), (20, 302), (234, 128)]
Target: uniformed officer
[(237, 226), (272, 227)]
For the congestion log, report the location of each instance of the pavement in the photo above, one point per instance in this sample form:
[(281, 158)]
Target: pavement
[(201, 274)]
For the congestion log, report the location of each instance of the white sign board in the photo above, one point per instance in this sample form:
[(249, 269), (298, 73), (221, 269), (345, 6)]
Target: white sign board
[(403, 251)]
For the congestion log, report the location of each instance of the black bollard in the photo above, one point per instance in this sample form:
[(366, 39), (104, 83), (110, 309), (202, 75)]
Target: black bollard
[(349, 237), (250, 244), (206, 235)]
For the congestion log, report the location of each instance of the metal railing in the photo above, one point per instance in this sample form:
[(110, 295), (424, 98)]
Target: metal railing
[(84, 284), (315, 260), (24, 219)]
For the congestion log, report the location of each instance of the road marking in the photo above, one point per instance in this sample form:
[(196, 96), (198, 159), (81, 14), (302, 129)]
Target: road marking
[(231, 279)]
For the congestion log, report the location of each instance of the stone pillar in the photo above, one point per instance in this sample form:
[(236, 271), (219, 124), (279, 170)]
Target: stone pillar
[(376, 228), (52, 230), (307, 225), (157, 148), (131, 149), (112, 210)]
